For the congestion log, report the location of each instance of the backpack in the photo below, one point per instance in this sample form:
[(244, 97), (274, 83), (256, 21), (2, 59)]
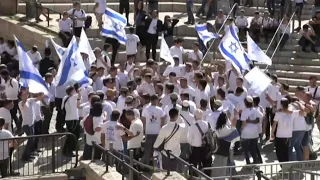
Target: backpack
[(87, 22), (88, 125), (63, 110), (10, 82), (210, 140)]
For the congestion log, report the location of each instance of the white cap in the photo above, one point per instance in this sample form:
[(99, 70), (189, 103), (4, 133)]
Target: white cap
[(249, 99), (185, 103), (198, 114)]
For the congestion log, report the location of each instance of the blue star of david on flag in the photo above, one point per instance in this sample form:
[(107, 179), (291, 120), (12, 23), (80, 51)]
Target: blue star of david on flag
[(233, 47)]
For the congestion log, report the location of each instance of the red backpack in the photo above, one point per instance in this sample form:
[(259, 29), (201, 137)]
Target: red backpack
[(88, 125)]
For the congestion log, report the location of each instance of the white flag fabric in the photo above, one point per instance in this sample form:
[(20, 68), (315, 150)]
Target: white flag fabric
[(29, 74), (59, 49), (72, 69), (114, 26), (204, 34), (165, 51), (258, 81), (232, 50), (85, 47), (255, 53)]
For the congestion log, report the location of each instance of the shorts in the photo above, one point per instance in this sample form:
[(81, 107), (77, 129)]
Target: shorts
[(306, 139)]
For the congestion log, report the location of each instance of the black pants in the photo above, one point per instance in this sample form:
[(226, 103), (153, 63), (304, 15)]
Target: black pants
[(269, 118), (60, 120), (77, 31), (266, 32), (65, 37), (141, 32), (37, 131), (251, 146), (304, 42), (199, 160), (124, 6), (4, 167), (87, 153), (11, 149), (255, 32), (115, 46), (14, 117), (71, 143), (242, 33), (152, 40), (282, 149), (47, 113)]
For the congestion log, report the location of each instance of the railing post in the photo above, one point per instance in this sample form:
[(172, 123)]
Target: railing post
[(122, 168), (111, 151), (190, 171), (185, 171), (106, 159), (93, 150), (48, 17), (168, 168), (290, 174), (131, 164), (312, 176), (53, 156)]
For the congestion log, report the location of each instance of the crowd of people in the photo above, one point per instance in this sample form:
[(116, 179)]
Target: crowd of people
[(148, 111)]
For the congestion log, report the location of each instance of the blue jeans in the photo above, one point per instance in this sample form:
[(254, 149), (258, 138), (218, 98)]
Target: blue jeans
[(190, 11), (29, 130), (251, 145), (296, 141)]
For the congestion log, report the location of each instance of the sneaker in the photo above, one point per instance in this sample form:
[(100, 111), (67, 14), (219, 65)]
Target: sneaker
[(187, 23)]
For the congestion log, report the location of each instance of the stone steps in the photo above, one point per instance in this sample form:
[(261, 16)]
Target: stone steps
[(163, 7)]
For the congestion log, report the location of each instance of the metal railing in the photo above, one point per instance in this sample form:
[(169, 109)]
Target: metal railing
[(234, 7), (111, 157), (43, 156), (303, 170), (42, 7)]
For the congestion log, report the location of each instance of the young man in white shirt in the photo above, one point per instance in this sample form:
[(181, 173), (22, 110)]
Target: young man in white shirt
[(132, 43), (99, 9), (65, 29), (34, 56), (242, 24), (5, 156), (153, 118), (48, 105), (170, 135), (255, 27), (196, 54), (70, 104), (11, 92), (199, 156), (177, 49), (78, 16)]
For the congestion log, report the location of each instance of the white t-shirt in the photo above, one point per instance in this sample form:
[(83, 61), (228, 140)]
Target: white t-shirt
[(201, 95), (285, 124), (97, 122), (167, 108), (65, 25), (272, 92), (79, 14), (250, 131), (235, 99), (241, 21), (37, 111), (3, 47), (153, 115), (212, 119), (27, 112), (6, 115), (72, 112), (299, 122), (179, 70), (102, 6), (232, 78), (188, 119), (135, 127), (177, 51), (121, 103), (113, 135), (146, 88), (11, 88), (314, 95), (4, 145), (131, 45), (192, 55)]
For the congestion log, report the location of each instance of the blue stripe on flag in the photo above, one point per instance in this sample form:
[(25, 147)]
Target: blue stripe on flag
[(233, 33), (32, 76), (113, 33), (115, 16), (234, 134), (234, 60), (83, 81), (19, 44), (201, 28), (67, 65)]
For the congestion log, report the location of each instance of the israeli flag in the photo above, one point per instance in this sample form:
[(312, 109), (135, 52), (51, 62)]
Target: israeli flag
[(59, 49), (114, 26), (29, 74), (255, 53), (204, 34), (233, 137), (72, 69), (85, 47), (232, 50)]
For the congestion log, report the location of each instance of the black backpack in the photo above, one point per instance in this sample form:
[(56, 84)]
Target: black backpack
[(63, 110), (210, 140)]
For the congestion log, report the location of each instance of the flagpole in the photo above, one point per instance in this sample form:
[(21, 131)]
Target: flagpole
[(229, 14)]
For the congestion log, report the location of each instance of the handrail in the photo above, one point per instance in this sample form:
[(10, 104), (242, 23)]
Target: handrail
[(190, 167), (234, 7), (123, 163), (48, 12)]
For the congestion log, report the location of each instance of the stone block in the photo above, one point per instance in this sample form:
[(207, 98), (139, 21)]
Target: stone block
[(163, 175), (8, 7), (54, 176), (96, 171)]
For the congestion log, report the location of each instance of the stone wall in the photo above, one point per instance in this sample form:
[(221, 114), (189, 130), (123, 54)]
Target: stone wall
[(54, 176)]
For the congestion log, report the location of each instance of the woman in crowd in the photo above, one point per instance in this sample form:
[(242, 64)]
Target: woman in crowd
[(168, 27), (140, 23)]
